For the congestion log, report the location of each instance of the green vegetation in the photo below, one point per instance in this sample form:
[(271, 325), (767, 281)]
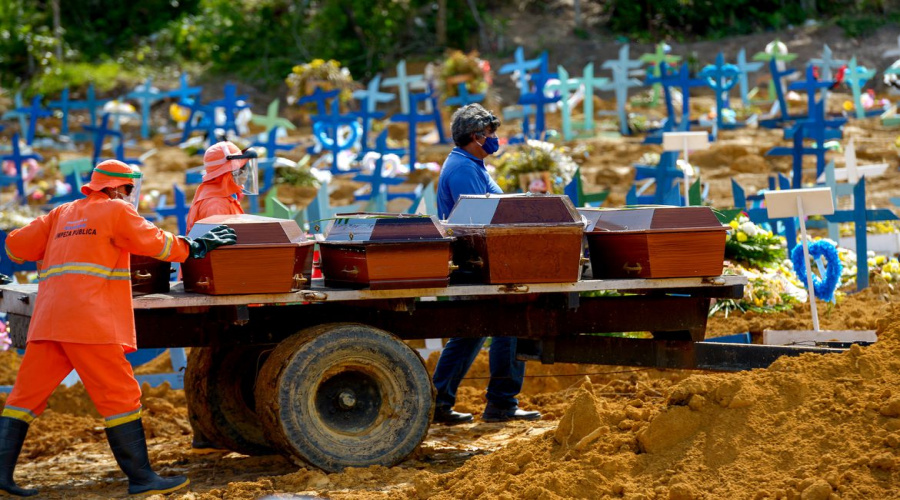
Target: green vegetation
[(260, 41)]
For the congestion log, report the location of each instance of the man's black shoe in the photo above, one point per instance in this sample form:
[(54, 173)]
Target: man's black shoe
[(494, 414), (447, 416)]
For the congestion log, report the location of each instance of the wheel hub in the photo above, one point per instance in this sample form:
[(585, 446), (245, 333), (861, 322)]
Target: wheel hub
[(349, 402)]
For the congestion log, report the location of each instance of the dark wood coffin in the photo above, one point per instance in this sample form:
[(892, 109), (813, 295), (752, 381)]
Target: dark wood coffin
[(516, 239), (149, 275), (385, 251), (270, 256), (659, 242)]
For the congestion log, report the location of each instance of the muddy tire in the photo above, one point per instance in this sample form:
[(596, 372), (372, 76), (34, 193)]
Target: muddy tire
[(344, 395), (219, 390)]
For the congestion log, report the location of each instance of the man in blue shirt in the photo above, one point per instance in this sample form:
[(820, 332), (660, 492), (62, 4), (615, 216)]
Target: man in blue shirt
[(474, 132)]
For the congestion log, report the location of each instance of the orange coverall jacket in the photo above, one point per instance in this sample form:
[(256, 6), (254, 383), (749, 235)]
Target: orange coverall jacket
[(84, 291), (214, 198)]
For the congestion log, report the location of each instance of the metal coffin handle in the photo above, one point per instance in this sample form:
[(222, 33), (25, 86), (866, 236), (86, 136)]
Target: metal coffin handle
[(141, 275)]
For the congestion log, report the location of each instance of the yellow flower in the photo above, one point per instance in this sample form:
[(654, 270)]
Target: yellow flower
[(734, 224), (741, 237)]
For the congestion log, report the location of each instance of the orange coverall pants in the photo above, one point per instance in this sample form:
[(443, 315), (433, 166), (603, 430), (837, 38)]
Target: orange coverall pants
[(106, 374)]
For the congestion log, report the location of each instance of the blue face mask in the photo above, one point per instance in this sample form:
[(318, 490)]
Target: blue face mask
[(491, 145)]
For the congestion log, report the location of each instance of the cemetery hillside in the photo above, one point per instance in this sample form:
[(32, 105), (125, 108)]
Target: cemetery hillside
[(698, 256)]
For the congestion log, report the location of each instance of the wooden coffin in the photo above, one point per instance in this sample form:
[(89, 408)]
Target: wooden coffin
[(270, 256), (516, 239), (385, 251), (660, 242), (149, 275)]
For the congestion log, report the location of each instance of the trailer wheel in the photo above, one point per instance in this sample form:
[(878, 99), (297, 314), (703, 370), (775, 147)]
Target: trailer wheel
[(344, 395), (219, 390)]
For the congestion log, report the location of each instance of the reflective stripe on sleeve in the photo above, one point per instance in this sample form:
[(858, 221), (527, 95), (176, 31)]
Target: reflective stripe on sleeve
[(167, 248), (13, 257), (86, 268)]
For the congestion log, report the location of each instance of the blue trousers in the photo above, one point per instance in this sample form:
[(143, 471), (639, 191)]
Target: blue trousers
[(507, 373)]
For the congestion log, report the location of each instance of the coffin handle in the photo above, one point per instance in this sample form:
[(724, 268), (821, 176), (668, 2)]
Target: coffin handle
[(636, 268), (453, 267), (142, 275), (351, 272), (513, 288), (202, 282), (299, 281), (477, 262), (585, 261)]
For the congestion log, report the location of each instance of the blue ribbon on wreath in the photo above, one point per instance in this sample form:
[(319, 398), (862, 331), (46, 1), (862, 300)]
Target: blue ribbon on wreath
[(820, 248)]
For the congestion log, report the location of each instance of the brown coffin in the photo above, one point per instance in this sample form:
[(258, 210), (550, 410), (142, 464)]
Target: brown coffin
[(149, 275), (516, 239), (385, 251), (660, 242), (270, 256)]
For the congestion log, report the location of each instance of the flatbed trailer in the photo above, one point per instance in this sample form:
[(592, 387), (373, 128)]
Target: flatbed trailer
[(324, 377)]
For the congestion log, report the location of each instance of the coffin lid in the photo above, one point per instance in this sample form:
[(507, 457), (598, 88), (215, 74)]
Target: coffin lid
[(253, 229), (365, 227), (514, 209), (651, 219)]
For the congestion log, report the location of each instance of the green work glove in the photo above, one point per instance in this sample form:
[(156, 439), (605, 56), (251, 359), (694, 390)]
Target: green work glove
[(5, 280), (216, 237)]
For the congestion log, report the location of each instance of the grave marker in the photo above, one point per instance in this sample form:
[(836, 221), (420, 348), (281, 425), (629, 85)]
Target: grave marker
[(463, 97), (271, 120), (146, 95), (828, 63), (522, 66), (34, 112), (621, 83), (856, 79), (745, 68), (18, 159), (721, 78), (179, 209), (63, 105), (656, 59), (403, 82)]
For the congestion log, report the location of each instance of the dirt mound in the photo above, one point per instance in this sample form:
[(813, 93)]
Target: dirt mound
[(807, 427)]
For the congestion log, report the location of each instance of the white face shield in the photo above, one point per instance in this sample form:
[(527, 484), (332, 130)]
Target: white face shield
[(247, 177), (133, 196)]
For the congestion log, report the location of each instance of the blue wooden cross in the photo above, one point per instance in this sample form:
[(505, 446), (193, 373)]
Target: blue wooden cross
[(783, 111), (377, 180), (232, 103), (797, 152), (811, 86), (271, 120), (76, 172), (683, 82), (320, 98), (664, 175), (523, 113), (564, 88), (200, 117), (537, 97), (655, 59), (327, 126), (90, 103), (522, 66), (184, 93), (589, 83), (64, 105), (859, 216), (838, 189), (721, 78), (271, 144), (368, 108), (413, 119), (146, 95), (425, 202), (34, 113), (15, 113), (621, 82), (18, 159), (403, 82), (435, 112), (179, 209), (827, 63), (100, 134), (856, 79), (745, 68), (463, 96)]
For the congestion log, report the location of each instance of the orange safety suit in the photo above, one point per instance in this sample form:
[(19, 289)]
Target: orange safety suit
[(83, 316), (215, 197)]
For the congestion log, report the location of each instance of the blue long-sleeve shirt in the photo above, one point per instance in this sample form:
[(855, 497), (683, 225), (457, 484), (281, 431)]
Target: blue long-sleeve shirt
[(461, 174)]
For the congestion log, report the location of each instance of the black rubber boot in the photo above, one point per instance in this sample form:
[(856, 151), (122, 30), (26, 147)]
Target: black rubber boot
[(12, 435), (129, 446)]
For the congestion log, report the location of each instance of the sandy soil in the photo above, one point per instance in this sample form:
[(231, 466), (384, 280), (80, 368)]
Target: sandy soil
[(814, 427)]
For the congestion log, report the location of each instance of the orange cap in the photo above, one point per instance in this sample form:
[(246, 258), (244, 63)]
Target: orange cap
[(215, 163), (110, 173)]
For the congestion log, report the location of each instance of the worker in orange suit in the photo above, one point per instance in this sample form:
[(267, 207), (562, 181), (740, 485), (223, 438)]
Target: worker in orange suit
[(228, 174), (83, 317)]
